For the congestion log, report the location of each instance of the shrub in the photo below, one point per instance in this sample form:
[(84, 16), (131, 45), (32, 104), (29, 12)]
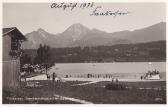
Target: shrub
[(115, 86)]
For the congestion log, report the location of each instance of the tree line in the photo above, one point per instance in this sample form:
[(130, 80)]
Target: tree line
[(142, 52)]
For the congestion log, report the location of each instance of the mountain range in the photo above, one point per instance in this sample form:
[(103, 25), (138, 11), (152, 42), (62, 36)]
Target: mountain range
[(79, 35)]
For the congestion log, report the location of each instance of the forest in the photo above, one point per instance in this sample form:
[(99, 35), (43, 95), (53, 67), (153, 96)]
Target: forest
[(140, 52)]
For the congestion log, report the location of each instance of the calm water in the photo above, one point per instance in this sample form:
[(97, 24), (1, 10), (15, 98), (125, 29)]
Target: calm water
[(107, 68)]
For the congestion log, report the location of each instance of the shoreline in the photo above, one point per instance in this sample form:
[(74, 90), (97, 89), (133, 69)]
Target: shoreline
[(44, 77)]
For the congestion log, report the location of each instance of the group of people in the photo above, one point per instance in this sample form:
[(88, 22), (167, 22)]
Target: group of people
[(53, 76), (29, 68), (115, 80)]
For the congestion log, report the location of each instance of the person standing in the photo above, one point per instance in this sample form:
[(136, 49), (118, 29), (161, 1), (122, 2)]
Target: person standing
[(141, 77), (112, 80), (48, 76), (117, 80), (53, 76), (23, 75)]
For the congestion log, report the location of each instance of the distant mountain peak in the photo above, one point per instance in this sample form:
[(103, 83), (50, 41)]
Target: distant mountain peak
[(42, 32), (77, 27), (40, 29), (76, 31)]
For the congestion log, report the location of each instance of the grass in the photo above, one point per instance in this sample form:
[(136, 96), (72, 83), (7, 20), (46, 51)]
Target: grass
[(95, 93), (46, 91)]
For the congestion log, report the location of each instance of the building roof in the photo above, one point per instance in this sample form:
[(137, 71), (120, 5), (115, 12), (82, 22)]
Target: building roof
[(15, 32), (7, 30)]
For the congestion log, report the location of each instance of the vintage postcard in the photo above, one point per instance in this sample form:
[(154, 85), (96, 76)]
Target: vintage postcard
[(84, 53)]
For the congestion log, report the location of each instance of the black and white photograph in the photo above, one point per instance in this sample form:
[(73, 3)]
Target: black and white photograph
[(84, 53)]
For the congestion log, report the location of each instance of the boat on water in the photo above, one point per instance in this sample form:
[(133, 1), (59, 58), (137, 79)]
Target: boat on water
[(152, 75)]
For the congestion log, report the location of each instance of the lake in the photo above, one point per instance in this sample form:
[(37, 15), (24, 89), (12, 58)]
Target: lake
[(127, 68)]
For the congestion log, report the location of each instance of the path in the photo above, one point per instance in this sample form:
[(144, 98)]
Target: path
[(85, 83), (73, 99)]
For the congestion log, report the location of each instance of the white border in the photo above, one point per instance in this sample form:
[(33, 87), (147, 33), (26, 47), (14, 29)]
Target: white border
[(87, 105)]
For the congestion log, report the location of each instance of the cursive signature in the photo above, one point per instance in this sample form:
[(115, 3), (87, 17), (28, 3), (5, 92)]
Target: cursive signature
[(96, 12)]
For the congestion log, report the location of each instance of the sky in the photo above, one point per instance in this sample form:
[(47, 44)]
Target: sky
[(28, 17)]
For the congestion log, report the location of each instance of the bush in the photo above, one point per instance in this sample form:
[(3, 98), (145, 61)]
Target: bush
[(115, 86)]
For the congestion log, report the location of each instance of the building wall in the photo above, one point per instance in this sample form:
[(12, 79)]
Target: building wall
[(10, 74), (10, 66), (6, 47)]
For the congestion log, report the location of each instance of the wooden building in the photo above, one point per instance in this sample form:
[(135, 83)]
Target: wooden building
[(12, 39)]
